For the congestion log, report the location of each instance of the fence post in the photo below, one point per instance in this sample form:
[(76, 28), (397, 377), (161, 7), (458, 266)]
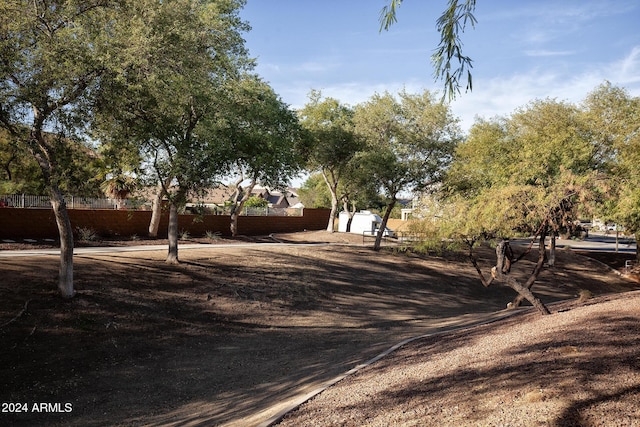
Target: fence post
[(22, 201)]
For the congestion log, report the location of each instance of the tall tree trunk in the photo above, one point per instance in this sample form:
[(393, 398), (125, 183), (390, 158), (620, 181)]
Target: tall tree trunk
[(542, 251), (65, 230), (383, 225), (501, 272), (45, 155), (156, 208), (233, 226), (172, 255), (552, 249), (350, 213), (238, 204), (333, 189)]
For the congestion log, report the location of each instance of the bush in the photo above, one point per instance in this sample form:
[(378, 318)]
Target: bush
[(256, 202), (86, 234), (212, 235)]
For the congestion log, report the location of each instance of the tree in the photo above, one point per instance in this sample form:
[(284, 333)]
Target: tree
[(526, 174), (19, 171), (614, 122), (164, 101), (263, 137), (410, 143), (333, 143), (314, 192), (256, 202), (358, 191), (450, 24), (54, 54)]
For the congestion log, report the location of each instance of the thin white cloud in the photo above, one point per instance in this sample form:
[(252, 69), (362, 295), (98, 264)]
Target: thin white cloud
[(269, 68), (561, 12), (552, 21), (628, 69), (501, 96), (544, 53), (350, 93), (497, 96), (316, 67)]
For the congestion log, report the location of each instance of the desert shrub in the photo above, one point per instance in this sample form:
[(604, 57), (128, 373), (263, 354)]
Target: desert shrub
[(212, 235), (86, 234), (584, 295)]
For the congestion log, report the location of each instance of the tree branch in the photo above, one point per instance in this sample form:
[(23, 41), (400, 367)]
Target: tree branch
[(17, 316), (486, 283)]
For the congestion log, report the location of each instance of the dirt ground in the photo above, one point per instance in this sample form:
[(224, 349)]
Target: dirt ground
[(576, 368), (234, 331)]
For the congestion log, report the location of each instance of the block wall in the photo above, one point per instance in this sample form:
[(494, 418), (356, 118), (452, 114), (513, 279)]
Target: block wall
[(18, 223)]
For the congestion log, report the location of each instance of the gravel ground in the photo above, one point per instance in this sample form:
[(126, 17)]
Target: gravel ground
[(579, 366)]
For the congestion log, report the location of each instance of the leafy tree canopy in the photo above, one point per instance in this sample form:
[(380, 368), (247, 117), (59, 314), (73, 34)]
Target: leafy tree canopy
[(410, 141)]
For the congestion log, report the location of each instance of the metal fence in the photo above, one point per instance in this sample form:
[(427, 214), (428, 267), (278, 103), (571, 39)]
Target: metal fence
[(246, 211), (73, 202), (267, 211)]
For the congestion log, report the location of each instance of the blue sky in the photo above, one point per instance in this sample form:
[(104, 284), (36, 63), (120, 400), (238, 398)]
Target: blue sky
[(521, 50)]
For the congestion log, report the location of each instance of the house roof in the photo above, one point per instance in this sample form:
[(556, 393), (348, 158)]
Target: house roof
[(221, 194)]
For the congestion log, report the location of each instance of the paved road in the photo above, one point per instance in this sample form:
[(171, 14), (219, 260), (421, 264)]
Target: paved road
[(602, 242), (595, 242)]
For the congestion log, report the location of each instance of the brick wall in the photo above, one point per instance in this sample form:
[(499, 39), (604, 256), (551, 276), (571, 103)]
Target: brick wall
[(40, 223)]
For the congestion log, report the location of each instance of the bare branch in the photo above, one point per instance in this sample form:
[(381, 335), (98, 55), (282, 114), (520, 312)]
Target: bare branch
[(17, 316), (486, 283)]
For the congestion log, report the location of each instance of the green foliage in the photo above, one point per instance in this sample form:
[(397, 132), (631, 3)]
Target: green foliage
[(614, 118), (162, 102), (331, 146), (54, 55), (410, 141), (332, 143), (539, 166), (450, 24), (260, 136), (20, 172), (409, 144), (314, 192), (256, 202)]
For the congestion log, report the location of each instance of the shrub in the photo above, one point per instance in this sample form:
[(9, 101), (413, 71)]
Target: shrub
[(86, 234), (212, 235)]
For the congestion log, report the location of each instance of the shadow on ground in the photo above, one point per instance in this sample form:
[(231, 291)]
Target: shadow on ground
[(229, 332)]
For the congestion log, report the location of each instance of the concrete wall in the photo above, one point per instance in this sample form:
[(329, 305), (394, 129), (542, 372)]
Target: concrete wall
[(18, 223)]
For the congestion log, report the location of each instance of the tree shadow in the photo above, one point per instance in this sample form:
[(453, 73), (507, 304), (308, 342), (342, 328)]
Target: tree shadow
[(220, 336), (578, 369)]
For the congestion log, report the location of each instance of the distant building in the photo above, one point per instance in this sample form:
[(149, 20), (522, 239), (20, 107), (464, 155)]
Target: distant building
[(278, 199)]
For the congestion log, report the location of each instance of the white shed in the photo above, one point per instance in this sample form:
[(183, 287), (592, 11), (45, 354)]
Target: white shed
[(363, 222)]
